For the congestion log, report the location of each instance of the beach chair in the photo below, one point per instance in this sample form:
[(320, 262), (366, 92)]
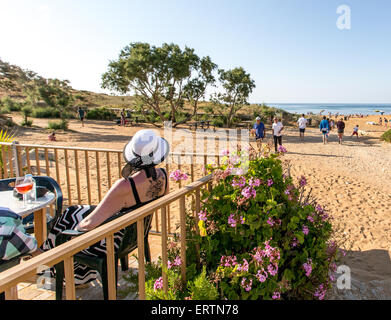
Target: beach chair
[(48, 183), (127, 245)]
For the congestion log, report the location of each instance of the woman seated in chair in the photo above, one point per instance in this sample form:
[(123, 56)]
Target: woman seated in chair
[(142, 183)]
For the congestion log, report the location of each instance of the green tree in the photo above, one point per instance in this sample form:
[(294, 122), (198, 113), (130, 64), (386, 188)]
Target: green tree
[(237, 86), (158, 76), (195, 89), (180, 66), (57, 94), (27, 111)]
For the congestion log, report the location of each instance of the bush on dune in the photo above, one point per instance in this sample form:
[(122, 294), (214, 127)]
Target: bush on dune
[(386, 136), (58, 125), (101, 113), (45, 113), (10, 104)]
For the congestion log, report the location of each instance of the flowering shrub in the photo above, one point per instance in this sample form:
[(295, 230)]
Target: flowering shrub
[(261, 237)]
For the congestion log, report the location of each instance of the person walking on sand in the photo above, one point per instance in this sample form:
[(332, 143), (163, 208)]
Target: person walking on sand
[(259, 131), (123, 117), (302, 126), (386, 122), (330, 128), (341, 129), (82, 114), (355, 131), (324, 127), (277, 128), (380, 121)]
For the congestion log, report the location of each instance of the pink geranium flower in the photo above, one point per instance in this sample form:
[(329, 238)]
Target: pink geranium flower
[(247, 285), (232, 221), (177, 175), (282, 149), (276, 295), (225, 152), (308, 267), (158, 284), (177, 261)]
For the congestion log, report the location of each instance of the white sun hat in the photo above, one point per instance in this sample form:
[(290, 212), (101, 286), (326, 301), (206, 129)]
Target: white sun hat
[(258, 119), (146, 148)]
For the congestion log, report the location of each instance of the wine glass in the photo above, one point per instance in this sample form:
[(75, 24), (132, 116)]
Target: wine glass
[(23, 185)]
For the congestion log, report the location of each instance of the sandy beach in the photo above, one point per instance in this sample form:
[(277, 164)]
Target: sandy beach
[(352, 181)]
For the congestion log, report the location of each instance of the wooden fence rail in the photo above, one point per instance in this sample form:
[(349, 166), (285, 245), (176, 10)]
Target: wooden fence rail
[(65, 252)]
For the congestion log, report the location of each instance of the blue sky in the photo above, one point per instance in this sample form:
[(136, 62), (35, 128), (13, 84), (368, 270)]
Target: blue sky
[(292, 48)]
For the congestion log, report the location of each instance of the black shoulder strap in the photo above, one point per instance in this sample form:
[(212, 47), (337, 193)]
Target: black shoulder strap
[(165, 175), (135, 193)]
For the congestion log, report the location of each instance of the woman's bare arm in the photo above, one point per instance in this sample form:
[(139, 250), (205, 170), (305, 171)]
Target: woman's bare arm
[(118, 197)]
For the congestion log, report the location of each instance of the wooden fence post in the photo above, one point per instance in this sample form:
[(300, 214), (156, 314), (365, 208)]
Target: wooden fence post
[(182, 212), (141, 259), (111, 268), (164, 247), (69, 279), (17, 160)]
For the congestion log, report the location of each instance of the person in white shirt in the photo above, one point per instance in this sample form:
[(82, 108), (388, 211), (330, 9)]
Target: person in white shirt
[(277, 128), (302, 126)]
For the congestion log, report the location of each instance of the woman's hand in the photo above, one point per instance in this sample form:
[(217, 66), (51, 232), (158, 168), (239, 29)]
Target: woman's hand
[(84, 225)]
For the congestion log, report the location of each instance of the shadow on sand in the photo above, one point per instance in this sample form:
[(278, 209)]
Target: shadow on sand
[(370, 275)]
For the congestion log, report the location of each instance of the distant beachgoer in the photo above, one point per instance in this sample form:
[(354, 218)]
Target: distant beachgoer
[(324, 129), (52, 136), (332, 124), (302, 126), (355, 131), (82, 114), (341, 129), (381, 121), (123, 119), (259, 130), (277, 128), (327, 135), (386, 122)]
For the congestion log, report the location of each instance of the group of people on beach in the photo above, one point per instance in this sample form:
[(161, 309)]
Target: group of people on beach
[(325, 127), (259, 130), (385, 122)]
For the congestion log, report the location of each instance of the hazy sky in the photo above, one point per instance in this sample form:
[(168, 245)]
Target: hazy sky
[(292, 48)]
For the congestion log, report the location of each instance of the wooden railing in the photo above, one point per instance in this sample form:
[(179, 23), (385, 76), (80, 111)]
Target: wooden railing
[(65, 252), (86, 174)]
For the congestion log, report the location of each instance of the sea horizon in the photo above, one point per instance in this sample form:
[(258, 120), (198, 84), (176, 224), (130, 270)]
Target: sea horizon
[(341, 108)]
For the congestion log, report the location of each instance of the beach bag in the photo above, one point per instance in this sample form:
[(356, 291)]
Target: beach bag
[(14, 241)]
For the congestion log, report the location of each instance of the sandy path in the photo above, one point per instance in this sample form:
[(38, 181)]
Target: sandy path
[(353, 181)]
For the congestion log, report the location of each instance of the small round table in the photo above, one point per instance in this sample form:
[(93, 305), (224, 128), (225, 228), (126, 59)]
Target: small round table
[(37, 208)]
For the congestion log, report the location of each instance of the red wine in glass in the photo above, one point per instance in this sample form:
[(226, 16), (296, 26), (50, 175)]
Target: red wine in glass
[(22, 186)]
